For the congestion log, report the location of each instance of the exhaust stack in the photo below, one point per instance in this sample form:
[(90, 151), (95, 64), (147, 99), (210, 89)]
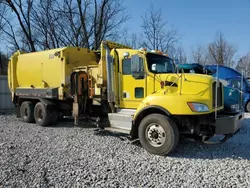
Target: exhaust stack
[(110, 77)]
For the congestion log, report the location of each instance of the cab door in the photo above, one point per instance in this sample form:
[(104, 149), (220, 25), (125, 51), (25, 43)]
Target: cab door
[(133, 81)]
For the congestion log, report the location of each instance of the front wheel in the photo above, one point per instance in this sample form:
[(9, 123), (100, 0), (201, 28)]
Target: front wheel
[(158, 134), (248, 106)]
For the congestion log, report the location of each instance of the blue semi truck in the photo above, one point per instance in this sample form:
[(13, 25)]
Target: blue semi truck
[(234, 79)]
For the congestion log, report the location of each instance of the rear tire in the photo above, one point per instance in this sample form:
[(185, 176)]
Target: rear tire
[(27, 112), (158, 134), (42, 115)]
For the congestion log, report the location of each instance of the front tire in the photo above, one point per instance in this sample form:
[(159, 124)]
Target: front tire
[(248, 106), (158, 134), (42, 115)]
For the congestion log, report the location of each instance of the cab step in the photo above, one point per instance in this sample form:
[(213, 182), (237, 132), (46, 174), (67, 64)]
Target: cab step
[(126, 111), (117, 130), (122, 119)]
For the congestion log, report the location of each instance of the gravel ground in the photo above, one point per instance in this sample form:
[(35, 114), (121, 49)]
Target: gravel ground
[(63, 156)]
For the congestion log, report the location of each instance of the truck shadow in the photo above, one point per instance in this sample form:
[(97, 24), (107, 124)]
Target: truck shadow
[(198, 150), (236, 147), (69, 123)]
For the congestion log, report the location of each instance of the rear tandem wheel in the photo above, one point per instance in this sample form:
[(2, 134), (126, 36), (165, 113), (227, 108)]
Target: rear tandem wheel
[(42, 114), (27, 112)]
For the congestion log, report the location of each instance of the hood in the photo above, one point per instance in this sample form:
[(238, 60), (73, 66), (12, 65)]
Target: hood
[(186, 84)]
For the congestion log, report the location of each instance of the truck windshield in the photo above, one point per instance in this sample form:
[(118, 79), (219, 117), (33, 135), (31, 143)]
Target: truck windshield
[(236, 83), (159, 63)]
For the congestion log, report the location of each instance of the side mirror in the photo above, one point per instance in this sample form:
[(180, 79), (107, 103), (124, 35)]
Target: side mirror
[(137, 67), (153, 67)]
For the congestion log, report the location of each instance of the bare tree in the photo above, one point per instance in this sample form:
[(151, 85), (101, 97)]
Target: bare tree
[(3, 11), (69, 24), (134, 41), (181, 55), (89, 22), (2, 23), (22, 11), (200, 55), (129, 39), (45, 24), (107, 20), (3, 64), (243, 65), (221, 52), (172, 52), (178, 52), (7, 27), (156, 35)]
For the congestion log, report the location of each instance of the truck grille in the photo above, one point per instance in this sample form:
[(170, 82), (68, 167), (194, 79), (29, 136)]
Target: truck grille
[(219, 94)]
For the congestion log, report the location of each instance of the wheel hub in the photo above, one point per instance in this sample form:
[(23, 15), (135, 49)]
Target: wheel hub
[(156, 135)]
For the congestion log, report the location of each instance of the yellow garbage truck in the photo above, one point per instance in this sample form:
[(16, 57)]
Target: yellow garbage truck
[(138, 92)]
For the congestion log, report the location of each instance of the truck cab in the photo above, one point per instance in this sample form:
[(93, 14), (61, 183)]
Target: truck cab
[(159, 101), (233, 79)]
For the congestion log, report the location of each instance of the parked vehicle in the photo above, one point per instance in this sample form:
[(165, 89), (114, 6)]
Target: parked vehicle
[(232, 96), (194, 68), (233, 78), (137, 91)]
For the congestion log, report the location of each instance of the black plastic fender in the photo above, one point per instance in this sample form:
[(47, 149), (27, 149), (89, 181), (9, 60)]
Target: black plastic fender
[(46, 102)]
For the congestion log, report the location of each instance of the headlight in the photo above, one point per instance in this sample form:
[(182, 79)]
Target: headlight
[(198, 107)]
